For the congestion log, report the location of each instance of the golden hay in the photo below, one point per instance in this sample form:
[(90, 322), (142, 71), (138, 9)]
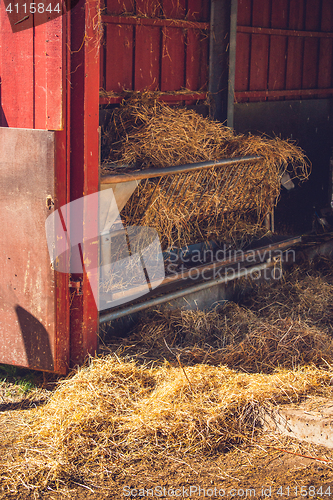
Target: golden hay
[(285, 323), (114, 412), (145, 133)]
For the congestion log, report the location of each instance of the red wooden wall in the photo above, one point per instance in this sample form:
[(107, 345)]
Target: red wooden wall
[(284, 49), (157, 46), (49, 80), (31, 73)]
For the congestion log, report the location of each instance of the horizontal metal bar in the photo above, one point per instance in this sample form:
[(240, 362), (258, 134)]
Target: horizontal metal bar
[(277, 31), (156, 21), (181, 293), (158, 172), (239, 256)]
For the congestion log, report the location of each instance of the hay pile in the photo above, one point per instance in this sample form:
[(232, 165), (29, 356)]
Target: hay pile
[(283, 323), (144, 133), (114, 413)]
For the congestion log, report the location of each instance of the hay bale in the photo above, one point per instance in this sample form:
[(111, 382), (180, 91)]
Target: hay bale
[(143, 132)]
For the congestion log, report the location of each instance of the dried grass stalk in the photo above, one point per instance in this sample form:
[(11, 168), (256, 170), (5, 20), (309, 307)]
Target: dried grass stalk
[(286, 323), (145, 133), (114, 412)]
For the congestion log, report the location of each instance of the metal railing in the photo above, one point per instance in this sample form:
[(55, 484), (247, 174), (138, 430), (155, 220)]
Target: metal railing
[(198, 190)]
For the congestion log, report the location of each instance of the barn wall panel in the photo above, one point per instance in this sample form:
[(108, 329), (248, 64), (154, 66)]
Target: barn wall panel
[(155, 45), (290, 45), (31, 72)]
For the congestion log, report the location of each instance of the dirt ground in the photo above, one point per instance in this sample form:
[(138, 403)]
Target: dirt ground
[(271, 466)]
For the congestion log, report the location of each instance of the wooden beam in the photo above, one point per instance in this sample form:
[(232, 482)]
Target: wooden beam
[(275, 31)]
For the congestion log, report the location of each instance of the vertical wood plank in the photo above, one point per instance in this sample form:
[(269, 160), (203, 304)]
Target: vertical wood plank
[(296, 14), (261, 13), (84, 150), (204, 62), (196, 61), (148, 8), (310, 63), (327, 15), (195, 10), (174, 9), (279, 14), (120, 6), (244, 13), (277, 64), (193, 62), (17, 73), (49, 75), (242, 62), (259, 62), (325, 63), (173, 59), (205, 10), (313, 15), (119, 67), (102, 58), (41, 63), (147, 58), (54, 68), (294, 64)]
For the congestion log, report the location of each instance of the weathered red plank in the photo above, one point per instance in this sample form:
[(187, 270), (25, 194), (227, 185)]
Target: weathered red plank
[(174, 9), (244, 12), (102, 58), (147, 58), (294, 63), (173, 63), (49, 75), (313, 15), (205, 10), (327, 15), (195, 10), (90, 323), (148, 8), (279, 14), (118, 71), (325, 63), (41, 63), (242, 62), (296, 14), (261, 13), (310, 63), (196, 61), (84, 146), (120, 6), (204, 58), (62, 305), (259, 62), (193, 63), (17, 73), (277, 63)]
